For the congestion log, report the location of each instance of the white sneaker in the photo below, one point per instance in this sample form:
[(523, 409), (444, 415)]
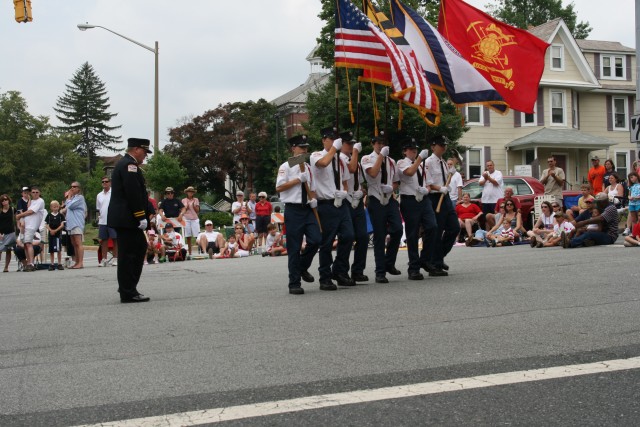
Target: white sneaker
[(626, 232), (114, 263), (103, 263)]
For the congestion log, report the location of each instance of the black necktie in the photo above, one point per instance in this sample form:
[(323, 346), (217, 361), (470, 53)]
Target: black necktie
[(383, 181), (444, 176), (304, 192), (336, 174), (356, 183), (421, 174)]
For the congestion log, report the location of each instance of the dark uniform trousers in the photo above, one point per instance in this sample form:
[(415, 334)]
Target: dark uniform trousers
[(448, 229), (361, 236), (299, 222), (385, 220), (418, 214), (335, 222), (132, 247)]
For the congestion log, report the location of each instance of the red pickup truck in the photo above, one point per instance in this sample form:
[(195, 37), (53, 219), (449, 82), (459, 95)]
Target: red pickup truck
[(525, 189)]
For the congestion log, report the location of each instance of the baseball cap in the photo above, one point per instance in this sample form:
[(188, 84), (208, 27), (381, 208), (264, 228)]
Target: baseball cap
[(262, 194), (595, 158), (168, 190), (239, 193), (208, 222)]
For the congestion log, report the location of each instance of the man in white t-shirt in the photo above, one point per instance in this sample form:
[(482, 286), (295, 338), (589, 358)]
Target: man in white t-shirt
[(491, 183), (104, 231), (210, 241), (32, 219), (455, 186)]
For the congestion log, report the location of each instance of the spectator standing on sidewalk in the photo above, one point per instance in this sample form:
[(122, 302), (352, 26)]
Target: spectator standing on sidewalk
[(191, 211), (75, 211), (491, 183), (104, 231), (553, 180)]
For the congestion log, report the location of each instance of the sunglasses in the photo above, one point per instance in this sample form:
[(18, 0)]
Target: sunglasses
[(168, 192), (104, 182), (75, 186), (555, 206), (509, 204)]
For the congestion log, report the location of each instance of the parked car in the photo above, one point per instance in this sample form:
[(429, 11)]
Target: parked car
[(525, 189), (207, 208)]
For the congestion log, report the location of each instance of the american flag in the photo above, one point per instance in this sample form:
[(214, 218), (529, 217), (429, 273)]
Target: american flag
[(360, 44)]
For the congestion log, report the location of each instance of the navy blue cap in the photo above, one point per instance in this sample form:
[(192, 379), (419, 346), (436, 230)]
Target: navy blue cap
[(139, 142), (381, 137), (347, 137), (329, 132), (299, 141), (439, 140), (409, 143)]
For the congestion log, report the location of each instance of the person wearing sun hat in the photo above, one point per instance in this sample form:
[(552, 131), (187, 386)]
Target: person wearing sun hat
[(191, 210), (263, 217)]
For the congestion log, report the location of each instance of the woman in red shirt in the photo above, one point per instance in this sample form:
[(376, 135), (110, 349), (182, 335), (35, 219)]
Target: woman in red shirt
[(468, 214), (263, 211)]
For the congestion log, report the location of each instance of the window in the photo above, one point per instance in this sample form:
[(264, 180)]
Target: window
[(613, 67), (474, 163), (557, 57), (620, 113), (621, 164), (473, 114), (557, 108), (530, 119)]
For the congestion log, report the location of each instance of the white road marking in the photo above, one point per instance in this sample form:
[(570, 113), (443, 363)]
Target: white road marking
[(362, 396)]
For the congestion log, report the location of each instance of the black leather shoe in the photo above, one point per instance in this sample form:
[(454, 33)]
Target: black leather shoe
[(394, 271), (444, 266), (296, 291), (438, 273), (344, 280), (359, 277), (306, 276), (381, 279), (428, 267), (137, 298), (416, 276), (327, 285)]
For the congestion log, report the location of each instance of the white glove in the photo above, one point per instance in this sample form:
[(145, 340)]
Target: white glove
[(386, 189), (143, 224), (423, 190), (444, 190), (384, 152), (424, 154), (339, 194), (337, 144), (303, 177), (358, 147), (357, 195), (313, 203)]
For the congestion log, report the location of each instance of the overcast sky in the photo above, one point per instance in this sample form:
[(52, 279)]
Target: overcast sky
[(211, 51)]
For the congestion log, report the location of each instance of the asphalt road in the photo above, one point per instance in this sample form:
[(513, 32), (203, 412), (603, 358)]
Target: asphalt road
[(224, 333)]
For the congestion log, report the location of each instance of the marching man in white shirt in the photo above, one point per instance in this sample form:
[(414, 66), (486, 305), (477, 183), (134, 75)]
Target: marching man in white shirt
[(382, 180), (331, 174)]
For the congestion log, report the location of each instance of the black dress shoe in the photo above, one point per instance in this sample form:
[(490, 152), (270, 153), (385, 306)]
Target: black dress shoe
[(327, 285), (381, 279), (394, 271), (296, 291), (428, 267), (359, 277), (416, 276), (306, 276), (137, 298), (344, 280), (438, 273), (444, 266)]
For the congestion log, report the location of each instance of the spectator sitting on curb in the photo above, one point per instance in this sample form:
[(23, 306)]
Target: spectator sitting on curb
[(633, 239), (154, 248), (608, 219), (210, 241), (274, 242), (574, 211)]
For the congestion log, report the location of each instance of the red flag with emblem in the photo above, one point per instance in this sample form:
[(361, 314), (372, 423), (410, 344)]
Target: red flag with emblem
[(511, 59)]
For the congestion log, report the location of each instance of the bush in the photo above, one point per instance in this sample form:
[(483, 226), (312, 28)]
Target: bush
[(219, 219)]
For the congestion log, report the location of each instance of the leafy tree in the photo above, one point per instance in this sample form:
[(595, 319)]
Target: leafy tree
[(162, 171), (234, 141), (522, 13), (83, 110), (33, 152)]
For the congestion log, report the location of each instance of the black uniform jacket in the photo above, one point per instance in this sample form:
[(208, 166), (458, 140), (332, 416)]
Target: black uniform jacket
[(128, 195)]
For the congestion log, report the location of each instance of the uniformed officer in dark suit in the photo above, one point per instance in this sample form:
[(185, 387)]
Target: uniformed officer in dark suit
[(127, 214)]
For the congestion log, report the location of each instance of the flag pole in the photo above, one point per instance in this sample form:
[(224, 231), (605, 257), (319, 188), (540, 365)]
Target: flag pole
[(386, 108), (336, 96), (358, 114)]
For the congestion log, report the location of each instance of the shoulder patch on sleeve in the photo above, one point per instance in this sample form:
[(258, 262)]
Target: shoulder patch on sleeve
[(132, 168)]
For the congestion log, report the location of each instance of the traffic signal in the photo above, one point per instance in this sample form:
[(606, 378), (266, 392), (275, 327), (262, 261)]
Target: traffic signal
[(23, 10)]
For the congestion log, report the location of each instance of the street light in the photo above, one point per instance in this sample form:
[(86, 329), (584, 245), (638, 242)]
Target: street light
[(84, 27)]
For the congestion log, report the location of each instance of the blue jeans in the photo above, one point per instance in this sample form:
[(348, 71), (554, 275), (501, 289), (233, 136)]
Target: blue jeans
[(598, 237)]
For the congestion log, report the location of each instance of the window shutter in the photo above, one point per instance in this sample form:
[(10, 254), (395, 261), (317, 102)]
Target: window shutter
[(517, 118), (630, 109), (596, 65), (632, 157), (627, 71), (540, 105), (486, 117), (577, 125), (609, 113), (487, 155)]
